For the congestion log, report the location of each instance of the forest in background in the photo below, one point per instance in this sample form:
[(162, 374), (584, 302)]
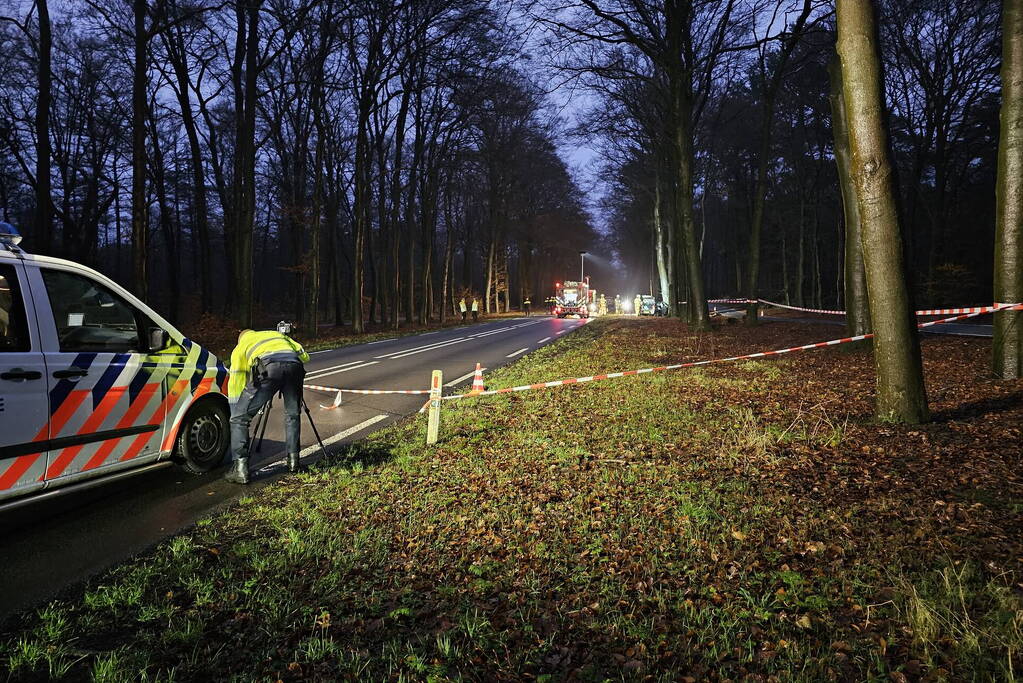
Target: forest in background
[(297, 156)]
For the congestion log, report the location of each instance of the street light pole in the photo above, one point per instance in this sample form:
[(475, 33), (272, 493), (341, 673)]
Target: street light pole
[(582, 257)]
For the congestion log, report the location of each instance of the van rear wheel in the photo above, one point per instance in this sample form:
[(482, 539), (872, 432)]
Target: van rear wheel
[(204, 438)]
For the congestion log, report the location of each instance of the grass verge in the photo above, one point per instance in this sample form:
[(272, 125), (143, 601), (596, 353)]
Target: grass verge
[(742, 521)]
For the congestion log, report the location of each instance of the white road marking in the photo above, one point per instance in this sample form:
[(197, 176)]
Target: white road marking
[(336, 372), (545, 339), (462, 378), (512, 355), (341, 435), (497, 331), (332, 367), (425, 347), (562, 331), (428, 348)]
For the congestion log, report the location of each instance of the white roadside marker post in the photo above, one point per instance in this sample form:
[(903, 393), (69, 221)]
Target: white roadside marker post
[(433, 426)]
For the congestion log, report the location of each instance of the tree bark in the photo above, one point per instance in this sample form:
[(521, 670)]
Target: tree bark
[(763, 162), (900, 385), (660, 244), (857, 306), (1008, 335), (139, 106), (200, 208), (44, 208)]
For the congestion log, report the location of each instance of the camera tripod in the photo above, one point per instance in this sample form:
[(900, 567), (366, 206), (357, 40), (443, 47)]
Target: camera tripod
[(263, 416)]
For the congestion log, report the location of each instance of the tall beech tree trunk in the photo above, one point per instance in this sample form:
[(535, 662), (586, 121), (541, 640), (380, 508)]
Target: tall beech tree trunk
[(200, 212), (764, 160), (1008, 337), (44, 207), (139, 109), (246, 210), (900, 384), (857, 306), (660, 244)]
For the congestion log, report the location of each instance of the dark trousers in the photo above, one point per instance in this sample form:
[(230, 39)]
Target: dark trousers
[(281, 376), (463, 315), (475, 316)]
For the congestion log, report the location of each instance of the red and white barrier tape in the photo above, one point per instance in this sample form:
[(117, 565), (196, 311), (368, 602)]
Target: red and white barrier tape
[(928, 311), (315, 387), (693, 364), (797, 308)]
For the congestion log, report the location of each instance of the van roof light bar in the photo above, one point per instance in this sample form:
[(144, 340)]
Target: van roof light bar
[(9, 234)]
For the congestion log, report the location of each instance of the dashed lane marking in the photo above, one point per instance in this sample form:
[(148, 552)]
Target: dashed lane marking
[(309, 450), (512, 355), (462, 378), (336, 372), (312, 373), (545, 339)]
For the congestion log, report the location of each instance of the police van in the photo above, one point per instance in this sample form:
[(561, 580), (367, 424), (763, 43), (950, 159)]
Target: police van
[(95, 385)]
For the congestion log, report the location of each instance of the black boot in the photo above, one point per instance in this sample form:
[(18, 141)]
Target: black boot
[(293, 464), (239, 471)]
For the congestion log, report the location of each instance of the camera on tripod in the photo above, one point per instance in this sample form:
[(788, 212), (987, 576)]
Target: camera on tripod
[(284, 327)]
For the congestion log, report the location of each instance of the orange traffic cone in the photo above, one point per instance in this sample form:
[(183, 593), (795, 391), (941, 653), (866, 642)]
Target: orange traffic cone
[(477, 381)]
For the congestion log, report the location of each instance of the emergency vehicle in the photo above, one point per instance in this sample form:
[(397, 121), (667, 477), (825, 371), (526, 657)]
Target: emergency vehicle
[(573, 298), (95, 385)]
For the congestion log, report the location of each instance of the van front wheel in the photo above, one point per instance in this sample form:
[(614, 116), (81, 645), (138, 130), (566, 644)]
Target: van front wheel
[(204, 438)]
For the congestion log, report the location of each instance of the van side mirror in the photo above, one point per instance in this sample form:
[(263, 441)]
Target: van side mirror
[(158, 338)]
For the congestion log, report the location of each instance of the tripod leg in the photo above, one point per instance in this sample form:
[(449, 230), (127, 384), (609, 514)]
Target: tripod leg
[(305, 407), (264, 417)]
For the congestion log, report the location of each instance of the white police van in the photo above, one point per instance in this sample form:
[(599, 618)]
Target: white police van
[(95, 385)]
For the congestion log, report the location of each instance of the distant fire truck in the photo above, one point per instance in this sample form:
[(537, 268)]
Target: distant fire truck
[(574, 298)]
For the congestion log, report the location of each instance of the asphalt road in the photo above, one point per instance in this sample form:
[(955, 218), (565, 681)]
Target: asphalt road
[(52, 544)]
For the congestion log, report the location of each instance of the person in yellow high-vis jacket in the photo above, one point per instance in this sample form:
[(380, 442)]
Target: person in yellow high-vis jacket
[(263, 364)]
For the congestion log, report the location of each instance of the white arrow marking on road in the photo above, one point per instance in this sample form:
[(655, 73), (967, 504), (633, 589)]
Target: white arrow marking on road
[(463, 378), (512, 355), (545, 339), (335, 372)]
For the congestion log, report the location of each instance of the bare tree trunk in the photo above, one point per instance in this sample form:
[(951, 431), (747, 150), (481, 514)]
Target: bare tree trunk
[(318, 104), (44, 208), (247, 207), (200, 209), (139, 106), (857, 306), (760, 190), (900, 384), (660, 242), (698, 315), (1008, 335), (173, 264)]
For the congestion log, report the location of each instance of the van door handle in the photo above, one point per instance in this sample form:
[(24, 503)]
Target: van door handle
[(70, 372), (17, 375)]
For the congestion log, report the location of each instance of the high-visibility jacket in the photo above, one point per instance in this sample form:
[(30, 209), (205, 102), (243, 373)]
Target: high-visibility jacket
[(461, 305), (252, 345), (475, 306)]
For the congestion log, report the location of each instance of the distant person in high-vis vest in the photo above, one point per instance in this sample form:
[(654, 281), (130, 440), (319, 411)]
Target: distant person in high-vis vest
[(526, 305), (638, 304), (263, 364), (475, 309), (461, 308)]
